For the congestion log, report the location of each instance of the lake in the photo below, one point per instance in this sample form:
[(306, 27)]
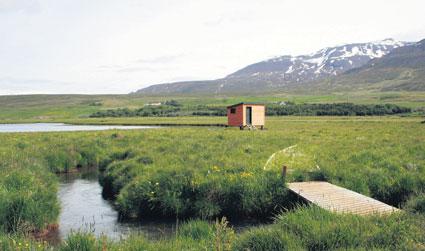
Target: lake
[(61, 127)]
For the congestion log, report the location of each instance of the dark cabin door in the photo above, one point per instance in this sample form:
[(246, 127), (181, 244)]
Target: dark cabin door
[(249, 115)]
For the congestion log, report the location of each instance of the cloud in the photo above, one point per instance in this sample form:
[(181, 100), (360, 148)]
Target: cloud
[(129, 68), (136, 69), (98, 46), (149, 64), (228, 18), (28, 86), (25, 6), (160, 60), (183, 79)]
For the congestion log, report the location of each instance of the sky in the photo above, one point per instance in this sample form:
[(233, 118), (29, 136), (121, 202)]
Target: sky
[(120, 46)]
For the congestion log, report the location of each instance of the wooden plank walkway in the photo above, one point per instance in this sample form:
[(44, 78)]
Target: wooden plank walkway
[(338, 199)]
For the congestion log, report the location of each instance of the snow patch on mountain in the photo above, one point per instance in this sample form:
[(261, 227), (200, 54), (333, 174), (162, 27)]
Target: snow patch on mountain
[(329, 61)]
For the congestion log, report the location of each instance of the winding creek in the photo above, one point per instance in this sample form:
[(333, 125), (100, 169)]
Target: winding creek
[(80, 195), (84, 208)]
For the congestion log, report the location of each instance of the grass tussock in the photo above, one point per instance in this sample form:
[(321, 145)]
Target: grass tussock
[(27, 200)]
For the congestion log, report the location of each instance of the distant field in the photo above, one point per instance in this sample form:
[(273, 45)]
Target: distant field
[(47, 108)]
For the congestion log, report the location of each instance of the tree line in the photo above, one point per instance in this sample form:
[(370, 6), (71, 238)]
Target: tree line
[(149, 111)]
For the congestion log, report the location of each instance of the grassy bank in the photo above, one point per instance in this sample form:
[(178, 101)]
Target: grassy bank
[(307, 228)]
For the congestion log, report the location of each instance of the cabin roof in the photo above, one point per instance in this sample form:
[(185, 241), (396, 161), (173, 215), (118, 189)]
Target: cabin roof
[(245, 103)]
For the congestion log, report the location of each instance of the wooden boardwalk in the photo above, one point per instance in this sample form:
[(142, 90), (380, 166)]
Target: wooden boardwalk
[(338, 199)]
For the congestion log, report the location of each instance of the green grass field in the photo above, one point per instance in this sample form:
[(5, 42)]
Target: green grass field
[(202, 174), (59, 108), (211, 172)]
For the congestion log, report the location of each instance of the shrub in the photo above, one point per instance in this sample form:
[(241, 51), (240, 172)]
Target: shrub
[(336, 109)]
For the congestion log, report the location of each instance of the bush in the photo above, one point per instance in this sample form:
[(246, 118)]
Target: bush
[(170, 110), (336, 109)]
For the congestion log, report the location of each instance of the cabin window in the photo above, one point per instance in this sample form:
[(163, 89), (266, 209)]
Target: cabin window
[(233, 110)]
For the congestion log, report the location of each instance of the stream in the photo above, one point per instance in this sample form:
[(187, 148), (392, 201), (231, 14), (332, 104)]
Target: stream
[(83, 208), (80, 195)]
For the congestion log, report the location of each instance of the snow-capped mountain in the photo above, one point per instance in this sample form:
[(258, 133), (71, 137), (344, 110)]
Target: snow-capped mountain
[(401, 70), (326, 62), (308, 72)]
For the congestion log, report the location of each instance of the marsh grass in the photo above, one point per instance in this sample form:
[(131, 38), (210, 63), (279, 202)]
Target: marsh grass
[(318, 229), (212, 172), (306, 228), (27, 200)]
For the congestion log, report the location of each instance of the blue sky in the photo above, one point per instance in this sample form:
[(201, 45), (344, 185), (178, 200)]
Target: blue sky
[(119, 46)]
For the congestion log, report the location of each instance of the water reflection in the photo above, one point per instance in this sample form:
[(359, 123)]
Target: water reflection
[(83, 208)]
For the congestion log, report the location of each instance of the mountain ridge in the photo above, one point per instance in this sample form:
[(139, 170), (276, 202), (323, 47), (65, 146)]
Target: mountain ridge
[(302, 72)]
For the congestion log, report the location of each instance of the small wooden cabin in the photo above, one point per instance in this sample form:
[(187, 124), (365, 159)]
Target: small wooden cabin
[(249, 115)]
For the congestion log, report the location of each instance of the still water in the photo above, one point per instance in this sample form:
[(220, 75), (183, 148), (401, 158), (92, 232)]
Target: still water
[(84, 208), (60, 127)]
